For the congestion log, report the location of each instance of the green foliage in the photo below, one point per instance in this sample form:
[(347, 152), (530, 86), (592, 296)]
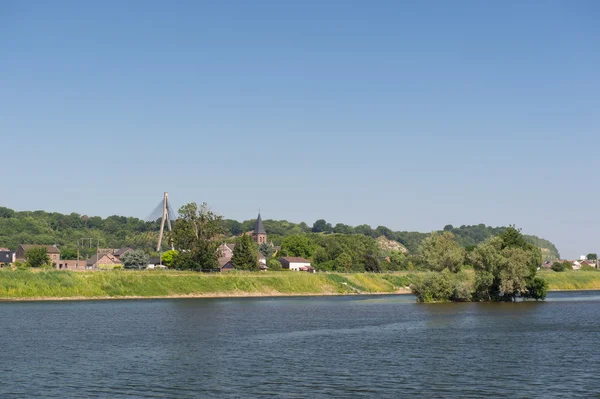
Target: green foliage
[(299, 245), (168, 258), (537, 289), (274, 265), (245, 254), (135, 259), (561, 266), (505, 268), (195, 233), (68, 253), (592, 257), (37, 257), (321, 226), (266, 250), (441, 287), (441, 251)]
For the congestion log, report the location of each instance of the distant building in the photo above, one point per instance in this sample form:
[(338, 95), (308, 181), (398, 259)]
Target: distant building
[(226, 267), (51, 250), (122, 251), (259, 235), (6, 257), (294, 263), (102, 259)]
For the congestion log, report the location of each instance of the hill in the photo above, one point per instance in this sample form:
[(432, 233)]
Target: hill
[(39, 227)]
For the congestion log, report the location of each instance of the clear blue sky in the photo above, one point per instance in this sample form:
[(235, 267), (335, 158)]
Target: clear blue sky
[(407, 114)]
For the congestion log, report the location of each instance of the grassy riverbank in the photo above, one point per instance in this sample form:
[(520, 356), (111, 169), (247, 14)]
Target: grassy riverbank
[(26, 284), (54, 284)]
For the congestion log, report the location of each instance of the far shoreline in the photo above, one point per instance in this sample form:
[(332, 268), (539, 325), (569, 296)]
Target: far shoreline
[(228, 295)]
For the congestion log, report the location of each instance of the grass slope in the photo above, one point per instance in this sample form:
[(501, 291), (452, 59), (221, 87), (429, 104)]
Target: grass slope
[(22, 284), (25, 284)]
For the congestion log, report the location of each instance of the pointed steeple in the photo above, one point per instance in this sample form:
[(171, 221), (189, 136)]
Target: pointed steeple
[(258, 226)]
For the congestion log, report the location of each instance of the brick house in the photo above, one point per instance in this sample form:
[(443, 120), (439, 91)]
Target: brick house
[(102, 259), (51, 250)]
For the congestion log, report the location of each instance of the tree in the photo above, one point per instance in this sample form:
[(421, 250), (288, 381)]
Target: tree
[(299, 245), (245, 254), (266, 250), (371, 264), (341, 228), (592, 257), (37, 257), (135, 259), (558, 266), (505, 268), (441, 251), (168, 257), (321, 226), (68, 253), (274, 265), (195, 232)]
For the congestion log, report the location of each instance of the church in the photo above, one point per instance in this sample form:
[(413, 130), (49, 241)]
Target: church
[(259, 234)]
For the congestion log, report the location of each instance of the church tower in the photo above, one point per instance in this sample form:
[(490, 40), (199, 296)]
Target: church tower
[(259, 235)]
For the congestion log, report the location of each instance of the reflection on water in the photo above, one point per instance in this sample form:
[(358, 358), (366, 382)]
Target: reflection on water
[(320, 347)]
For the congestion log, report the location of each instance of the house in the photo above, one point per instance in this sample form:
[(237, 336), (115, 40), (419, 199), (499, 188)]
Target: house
[(226, 250), (226, 267), (102, 259), (122, 251), (71, 264), (576, 265), (294, 263), (51, 250), (6, 257)]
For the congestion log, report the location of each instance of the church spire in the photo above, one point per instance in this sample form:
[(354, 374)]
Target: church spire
[(258, 226)]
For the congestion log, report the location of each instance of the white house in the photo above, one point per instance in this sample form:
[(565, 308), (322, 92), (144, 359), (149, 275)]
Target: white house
[(294, 263), (576, 265)]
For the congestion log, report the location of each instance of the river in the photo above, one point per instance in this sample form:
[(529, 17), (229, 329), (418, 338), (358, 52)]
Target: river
[(309, 347)]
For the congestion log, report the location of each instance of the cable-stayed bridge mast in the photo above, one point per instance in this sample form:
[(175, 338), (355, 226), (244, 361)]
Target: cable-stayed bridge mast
[(166, 214)]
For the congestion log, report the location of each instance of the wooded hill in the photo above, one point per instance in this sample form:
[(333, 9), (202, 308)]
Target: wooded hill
[(39, 227)]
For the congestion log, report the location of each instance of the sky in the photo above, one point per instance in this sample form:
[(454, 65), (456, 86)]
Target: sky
[(407, 114)]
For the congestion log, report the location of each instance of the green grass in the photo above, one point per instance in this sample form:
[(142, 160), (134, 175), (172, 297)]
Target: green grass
[(63, 284), (572, 280), (23, 284)]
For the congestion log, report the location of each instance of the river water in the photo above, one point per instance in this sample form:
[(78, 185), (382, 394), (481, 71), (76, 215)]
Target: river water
[(310, 347)]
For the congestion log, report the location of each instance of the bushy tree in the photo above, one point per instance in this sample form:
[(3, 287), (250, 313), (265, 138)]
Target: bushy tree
[(245, 254), (592, 257), (137, 259), (321, 226), (195, 234), (168, 258), (505, 268), (441, 251), (299, 245), (274, 265), (561, 266), (37, 257)]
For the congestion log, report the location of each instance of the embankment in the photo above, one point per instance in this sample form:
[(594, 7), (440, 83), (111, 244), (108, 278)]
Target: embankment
[(41, 285), (25, 284)]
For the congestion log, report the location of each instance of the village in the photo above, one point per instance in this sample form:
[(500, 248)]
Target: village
[(111, 258)]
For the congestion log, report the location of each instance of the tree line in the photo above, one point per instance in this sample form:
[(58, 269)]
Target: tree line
[(328, 242)]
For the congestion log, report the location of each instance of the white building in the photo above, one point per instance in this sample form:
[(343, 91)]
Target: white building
[(294, 263)]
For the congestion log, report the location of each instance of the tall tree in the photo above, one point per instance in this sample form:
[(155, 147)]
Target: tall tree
[(442, 251), (195, 234), (321, 226), (592, 257), (245, 254)]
